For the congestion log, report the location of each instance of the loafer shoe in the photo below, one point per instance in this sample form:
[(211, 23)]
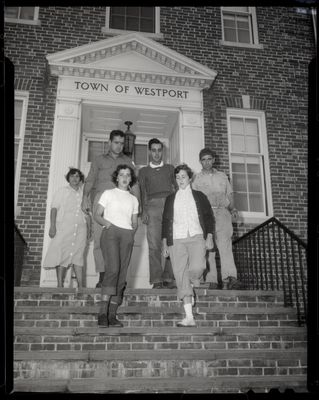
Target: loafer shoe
[(170, 285), (186, 323), (113, 321), (158, 285)]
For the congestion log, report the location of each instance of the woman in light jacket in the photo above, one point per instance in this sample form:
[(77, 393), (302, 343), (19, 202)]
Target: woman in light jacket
[(187, 232)]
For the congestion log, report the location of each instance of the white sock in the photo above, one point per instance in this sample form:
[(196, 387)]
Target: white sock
[(188, 311)]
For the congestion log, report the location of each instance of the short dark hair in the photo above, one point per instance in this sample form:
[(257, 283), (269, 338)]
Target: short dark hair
[(73, 171), (154, 141), (117, 171), (183, 167), (116, 132), (206, 152)]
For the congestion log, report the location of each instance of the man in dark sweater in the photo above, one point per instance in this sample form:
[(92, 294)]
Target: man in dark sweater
[(157, 181)]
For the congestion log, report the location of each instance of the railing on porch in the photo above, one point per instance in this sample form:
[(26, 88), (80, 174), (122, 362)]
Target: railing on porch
[(20, 247), (272, 257)]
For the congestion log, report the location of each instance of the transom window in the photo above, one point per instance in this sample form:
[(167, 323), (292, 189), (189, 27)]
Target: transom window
[(249, 164), (21, 14), (141, 19), (239, 25)]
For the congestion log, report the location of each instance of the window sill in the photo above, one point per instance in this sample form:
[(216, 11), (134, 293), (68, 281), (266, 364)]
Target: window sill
[(123, 32), (23, 21), (245, 45)]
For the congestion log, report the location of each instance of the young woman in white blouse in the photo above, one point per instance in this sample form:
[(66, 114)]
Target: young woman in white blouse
[(187, 232), (117, 212)]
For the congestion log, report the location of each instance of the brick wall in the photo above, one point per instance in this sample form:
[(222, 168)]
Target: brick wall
[(274, 77)]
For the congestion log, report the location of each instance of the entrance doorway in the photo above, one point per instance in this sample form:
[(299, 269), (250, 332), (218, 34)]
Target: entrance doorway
[(96, 124)]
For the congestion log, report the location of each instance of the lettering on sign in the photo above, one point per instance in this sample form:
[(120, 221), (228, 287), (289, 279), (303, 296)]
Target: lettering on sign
[(131, 90)]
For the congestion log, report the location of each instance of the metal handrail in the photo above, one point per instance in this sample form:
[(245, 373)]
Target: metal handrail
[(272, 257)]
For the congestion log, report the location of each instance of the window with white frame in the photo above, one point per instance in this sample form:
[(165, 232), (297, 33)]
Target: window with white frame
[(27, 15), (20, 113), (249, 163), (239, 26), (132, 19)]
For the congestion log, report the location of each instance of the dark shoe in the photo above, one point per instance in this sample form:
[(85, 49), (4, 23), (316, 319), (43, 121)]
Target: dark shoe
[(102, 320), (113, 321), (158, 285), (216, 286), (233, 283), (99, 285), (170, 285)]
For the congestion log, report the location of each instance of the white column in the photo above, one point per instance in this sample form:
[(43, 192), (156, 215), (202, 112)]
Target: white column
[(191, 137), (65, 154)]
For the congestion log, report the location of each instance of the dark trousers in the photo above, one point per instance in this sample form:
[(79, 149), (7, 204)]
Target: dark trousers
[(155, 209), (116, 245)]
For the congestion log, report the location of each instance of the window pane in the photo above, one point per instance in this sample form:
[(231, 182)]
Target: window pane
[(254, 183), (118, 10), (140, 154), (253, 168), (117, 22), (251, 126), (241, 201), (242, 23), (230, 35), (16, 152), (252, 144), (239, 183), (238, 144), (147, 12), (27, 13), (256, 203), (236, 167), (11, 12), (237, 126), (147, 25), (243, 36), (229, 21), (132, 24), (241, 9), (95, 149), (17, 116), (132, 11)]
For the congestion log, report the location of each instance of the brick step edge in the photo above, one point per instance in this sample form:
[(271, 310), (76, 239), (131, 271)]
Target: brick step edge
[(96, 355), (156, 310), (144, 291), (163, 330), (164, 385)]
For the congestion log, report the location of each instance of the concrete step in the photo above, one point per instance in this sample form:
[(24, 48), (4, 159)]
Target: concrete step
[(147, 338), (133, 316), (161, 363), (26, 296), (259, 384)]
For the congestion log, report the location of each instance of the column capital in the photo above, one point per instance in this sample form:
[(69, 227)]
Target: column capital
[(68, 108)]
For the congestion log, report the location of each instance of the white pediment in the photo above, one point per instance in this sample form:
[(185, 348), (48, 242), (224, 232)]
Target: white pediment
[(131, 57)]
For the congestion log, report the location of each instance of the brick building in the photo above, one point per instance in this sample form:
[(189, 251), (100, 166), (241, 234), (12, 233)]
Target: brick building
[(234, 79)]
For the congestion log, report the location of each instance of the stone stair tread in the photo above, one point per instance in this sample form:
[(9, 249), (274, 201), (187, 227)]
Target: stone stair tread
[(162, 330), (160, 354), (130, 291), (156, 385), (152, 309)]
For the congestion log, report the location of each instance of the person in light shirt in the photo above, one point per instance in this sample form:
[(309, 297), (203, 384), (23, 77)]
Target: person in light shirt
[(117, 213), (69, 229), (187, 232), (216, 186)]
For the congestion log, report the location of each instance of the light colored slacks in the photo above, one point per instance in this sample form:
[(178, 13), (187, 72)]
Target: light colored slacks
[(188, 262)]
